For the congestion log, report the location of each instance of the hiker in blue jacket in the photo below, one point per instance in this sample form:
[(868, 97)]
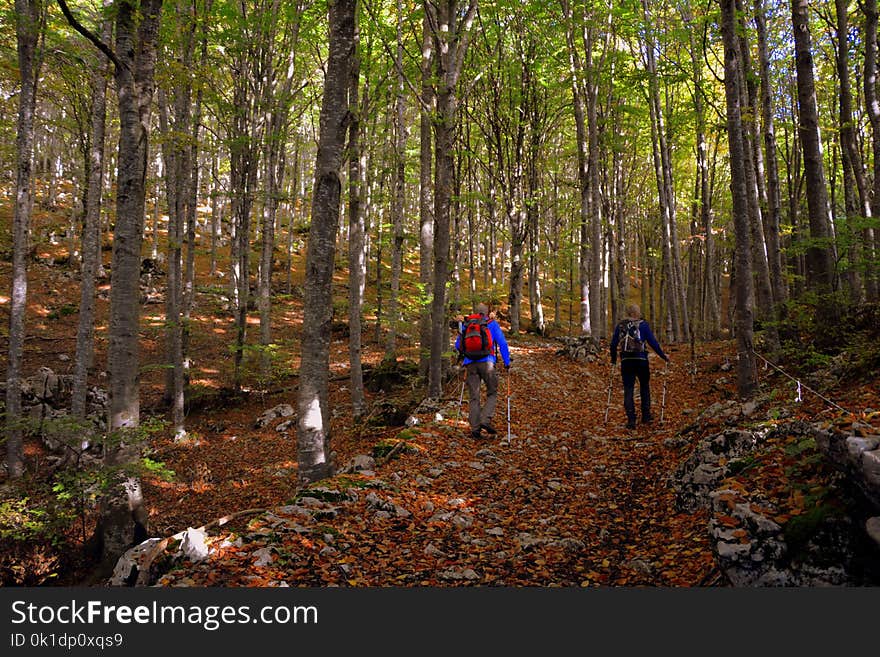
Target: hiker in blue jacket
[(481, 369), (631, 337)]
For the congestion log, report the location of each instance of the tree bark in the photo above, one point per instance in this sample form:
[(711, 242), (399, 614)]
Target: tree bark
[(773, 210), (597, 327), (398, 195), (855, 187), (663, 172), (28, 25), (450, 25), (313, 422), (175, 183), (85, 333), (576, 70), (426, 216), (123, 515), (745, 370), (869, 7), (357, 265), (820, 259)]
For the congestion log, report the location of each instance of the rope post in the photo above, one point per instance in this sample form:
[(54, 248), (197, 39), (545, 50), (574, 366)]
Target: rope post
[(801, 386), (663, 400)]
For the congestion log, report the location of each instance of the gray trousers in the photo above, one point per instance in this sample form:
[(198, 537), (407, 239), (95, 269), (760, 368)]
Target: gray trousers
[(478, 373)]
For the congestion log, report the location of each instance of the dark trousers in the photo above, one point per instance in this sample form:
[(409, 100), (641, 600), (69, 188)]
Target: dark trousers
[(630, 370), (478, 373)]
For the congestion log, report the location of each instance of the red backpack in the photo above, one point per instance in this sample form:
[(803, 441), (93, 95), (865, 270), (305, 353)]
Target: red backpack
[(476, 338)]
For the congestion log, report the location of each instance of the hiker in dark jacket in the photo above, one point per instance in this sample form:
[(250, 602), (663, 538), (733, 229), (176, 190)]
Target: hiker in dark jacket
[(634, 362), (482, 370)]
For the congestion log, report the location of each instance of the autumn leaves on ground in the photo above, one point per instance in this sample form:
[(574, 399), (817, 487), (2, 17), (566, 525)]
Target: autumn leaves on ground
[(569, 501)]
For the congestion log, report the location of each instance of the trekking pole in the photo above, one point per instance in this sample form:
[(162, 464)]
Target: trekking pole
[(663, 399), (461, 398), (508, 405), (610, 382)]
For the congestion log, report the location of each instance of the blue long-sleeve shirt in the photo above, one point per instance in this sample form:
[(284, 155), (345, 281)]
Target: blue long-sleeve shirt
[(647, 336), (497, 339)]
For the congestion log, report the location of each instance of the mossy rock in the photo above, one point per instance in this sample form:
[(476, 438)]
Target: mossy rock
[(389, 374), (384, 447)]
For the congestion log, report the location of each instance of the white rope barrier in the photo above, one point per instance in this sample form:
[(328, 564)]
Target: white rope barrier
[(800, 386)]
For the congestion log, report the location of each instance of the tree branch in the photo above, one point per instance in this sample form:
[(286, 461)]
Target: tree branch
[(79, 27)]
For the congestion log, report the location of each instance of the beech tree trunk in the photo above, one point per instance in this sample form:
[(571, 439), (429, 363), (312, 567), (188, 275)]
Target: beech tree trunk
[(873, 111), (426, 213), (820, 258), (123, 515), (85, 333), (747, 87), (398, 197), (745, 364), (576, 69), (357, 263), (313, 420), (450, 27), (774, 203), (175, 182), (28, 24), (665, 186), (855, 187)]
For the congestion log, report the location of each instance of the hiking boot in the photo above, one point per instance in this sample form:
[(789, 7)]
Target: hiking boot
[(475, 434), (488, 428), (648, 420), (631, 424)]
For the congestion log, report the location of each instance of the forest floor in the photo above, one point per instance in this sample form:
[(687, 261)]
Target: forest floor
[(569, 500)]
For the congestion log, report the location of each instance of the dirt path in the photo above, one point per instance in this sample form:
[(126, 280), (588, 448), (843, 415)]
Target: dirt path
[(570, 501)]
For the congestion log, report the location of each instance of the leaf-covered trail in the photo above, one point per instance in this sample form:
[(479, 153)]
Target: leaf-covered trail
[(570, 501)]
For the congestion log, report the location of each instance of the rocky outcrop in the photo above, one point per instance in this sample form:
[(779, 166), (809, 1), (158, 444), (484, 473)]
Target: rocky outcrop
[(46, 399), (857, 455), (713, 459), (756, 544), (752, 549), (580, 348)]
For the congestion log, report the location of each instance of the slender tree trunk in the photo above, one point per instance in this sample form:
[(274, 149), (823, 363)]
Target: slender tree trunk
[(426, 216), (855, 186), (154, 248), (597, 327), (516, 214), (357, 265), (192, 192), (244, 160), (535, 115), (313, 423), (28, 24), (274, 170), (576, 69), (450, 26), (215, 212), (820, 259), (663, 171), (175, 166), (85, 333), (746, 382), (398, 196), (291, 223), (873, 111), (621, 279), (747, 87), (773, 210)]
